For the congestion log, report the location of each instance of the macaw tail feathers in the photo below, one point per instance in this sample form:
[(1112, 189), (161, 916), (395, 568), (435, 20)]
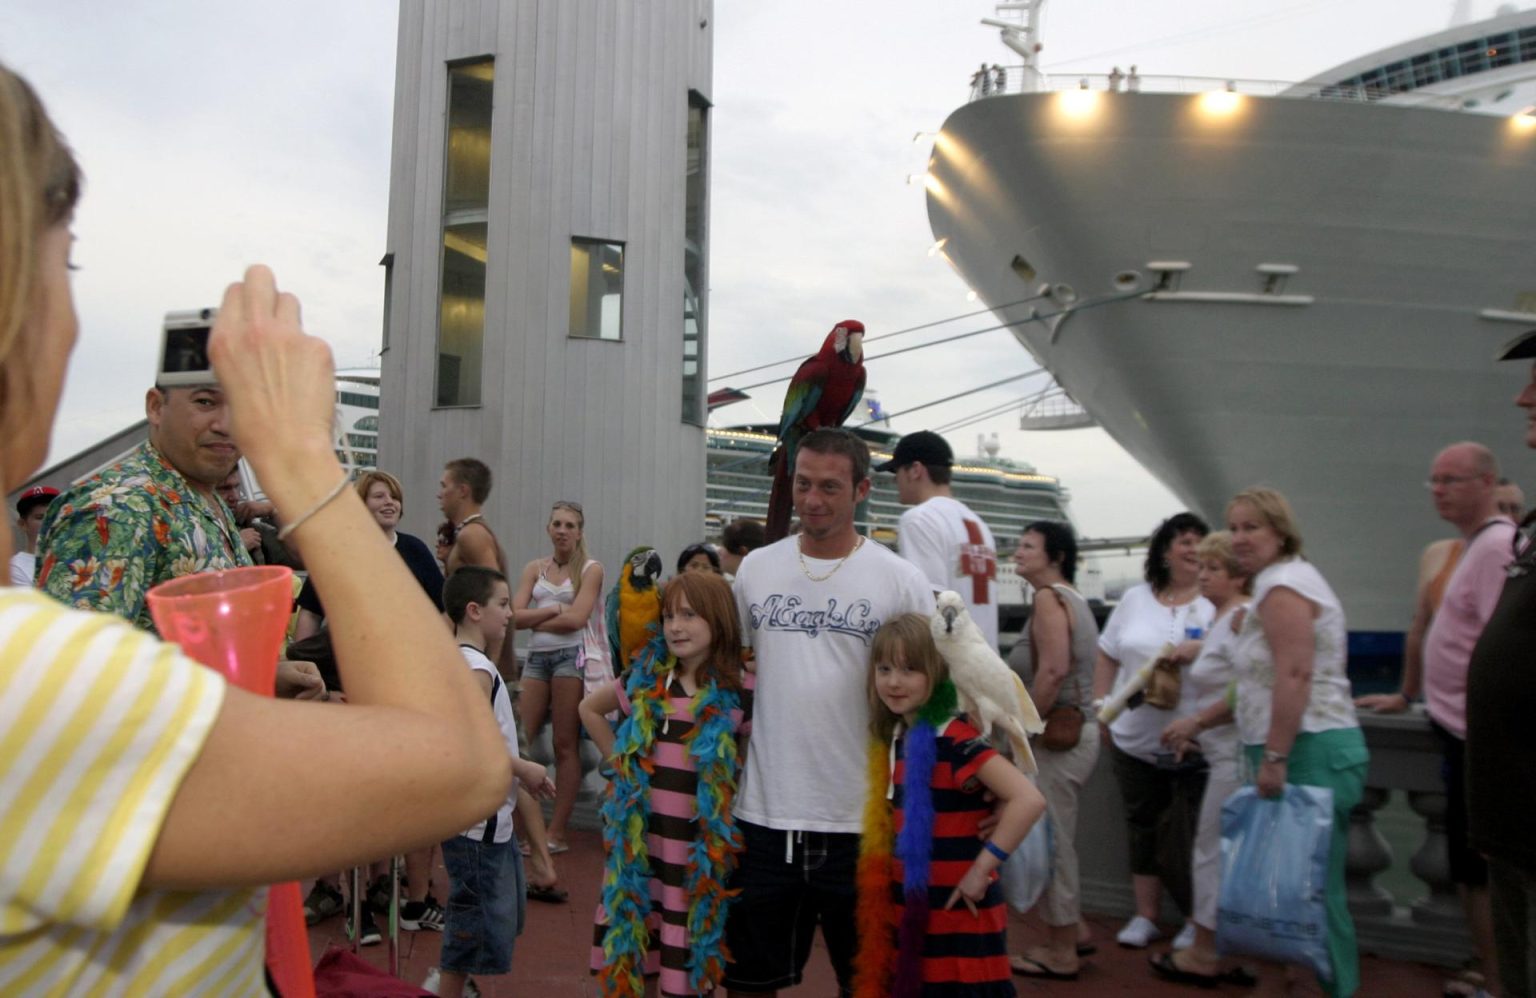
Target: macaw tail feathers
[(780, 502)]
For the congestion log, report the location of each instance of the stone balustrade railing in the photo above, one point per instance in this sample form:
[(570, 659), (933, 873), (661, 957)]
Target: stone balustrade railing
[(1425, 924)]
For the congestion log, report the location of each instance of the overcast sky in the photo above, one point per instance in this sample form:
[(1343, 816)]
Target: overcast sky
[(214, 134)]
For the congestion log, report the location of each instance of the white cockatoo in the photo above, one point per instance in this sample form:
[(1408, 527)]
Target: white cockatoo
[(990, 692)]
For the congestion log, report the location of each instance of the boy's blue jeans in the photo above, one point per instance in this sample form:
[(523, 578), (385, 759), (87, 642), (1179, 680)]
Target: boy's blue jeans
[(486, 905)]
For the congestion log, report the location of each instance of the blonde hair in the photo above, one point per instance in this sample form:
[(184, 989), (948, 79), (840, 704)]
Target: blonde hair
[(368, 479), (905, 640), (39, 185), (579, 552), (1217, 547), (1272, 507)]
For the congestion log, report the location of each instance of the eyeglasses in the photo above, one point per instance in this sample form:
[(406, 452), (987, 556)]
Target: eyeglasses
[(568, 504), (1435, 481)]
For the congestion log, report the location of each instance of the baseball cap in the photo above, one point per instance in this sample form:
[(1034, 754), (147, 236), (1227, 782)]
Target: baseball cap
[(36, 495), (922, 447), (1522, 347)]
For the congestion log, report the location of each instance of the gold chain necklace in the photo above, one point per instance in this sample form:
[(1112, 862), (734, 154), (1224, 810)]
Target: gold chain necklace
[(804, 568)]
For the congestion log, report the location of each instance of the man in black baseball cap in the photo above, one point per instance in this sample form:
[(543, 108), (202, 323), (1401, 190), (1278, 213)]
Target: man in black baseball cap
[(30, 507), (949, 544), (1501, 696)]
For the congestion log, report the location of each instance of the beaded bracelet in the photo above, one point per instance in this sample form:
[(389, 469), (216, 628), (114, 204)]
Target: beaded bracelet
[(341, 487), (996, 850)]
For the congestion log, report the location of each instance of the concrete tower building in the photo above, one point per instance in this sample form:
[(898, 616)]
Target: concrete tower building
[(547, 265)]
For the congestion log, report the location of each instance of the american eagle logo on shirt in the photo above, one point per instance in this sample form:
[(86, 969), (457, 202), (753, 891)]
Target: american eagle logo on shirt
[(789, 613)]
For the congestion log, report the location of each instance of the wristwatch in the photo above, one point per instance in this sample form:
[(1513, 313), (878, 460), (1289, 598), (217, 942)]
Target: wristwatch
[(1271, 755)]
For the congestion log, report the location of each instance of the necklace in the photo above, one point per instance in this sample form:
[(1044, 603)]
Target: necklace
[(806, 569), (1171, 599)]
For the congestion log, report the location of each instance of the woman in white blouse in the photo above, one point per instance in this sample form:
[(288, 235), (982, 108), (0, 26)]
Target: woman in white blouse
[(1295, 716), (1166, 610), (1210, 731)]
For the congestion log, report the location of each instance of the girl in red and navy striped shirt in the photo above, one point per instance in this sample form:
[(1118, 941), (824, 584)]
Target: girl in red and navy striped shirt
[(931, 914)]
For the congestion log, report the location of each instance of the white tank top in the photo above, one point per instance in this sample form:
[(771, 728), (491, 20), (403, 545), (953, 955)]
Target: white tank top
[(547, 593)]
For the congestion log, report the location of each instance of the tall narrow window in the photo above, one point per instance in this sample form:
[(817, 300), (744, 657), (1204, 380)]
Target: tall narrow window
[(597, 289), (695, 241), (466, 204)]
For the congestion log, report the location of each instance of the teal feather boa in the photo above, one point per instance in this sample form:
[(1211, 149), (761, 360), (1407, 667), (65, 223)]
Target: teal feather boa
[(626, 816)]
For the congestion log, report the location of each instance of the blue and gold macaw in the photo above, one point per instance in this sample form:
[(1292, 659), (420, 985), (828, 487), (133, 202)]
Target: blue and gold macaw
[(633, 609)]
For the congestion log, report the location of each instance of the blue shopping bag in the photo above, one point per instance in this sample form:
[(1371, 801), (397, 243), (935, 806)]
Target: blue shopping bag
[(1274, 871), (1028, 869)]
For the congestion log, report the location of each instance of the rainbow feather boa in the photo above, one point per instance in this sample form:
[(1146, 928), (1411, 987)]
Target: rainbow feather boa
[(626, 820), (890, 957)]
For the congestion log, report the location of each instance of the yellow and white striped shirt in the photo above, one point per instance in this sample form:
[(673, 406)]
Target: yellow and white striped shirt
[(99, 723)]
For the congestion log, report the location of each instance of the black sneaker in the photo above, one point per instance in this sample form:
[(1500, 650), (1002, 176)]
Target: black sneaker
[(378, 894), (369, 934), (418, 915), (323, 902)]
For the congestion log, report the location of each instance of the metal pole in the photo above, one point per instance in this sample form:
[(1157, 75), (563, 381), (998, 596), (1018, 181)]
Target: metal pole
[(394, 916), (356, 926)]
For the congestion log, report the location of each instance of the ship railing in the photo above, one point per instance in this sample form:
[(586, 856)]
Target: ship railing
[(1404, 905), (1014, 81)]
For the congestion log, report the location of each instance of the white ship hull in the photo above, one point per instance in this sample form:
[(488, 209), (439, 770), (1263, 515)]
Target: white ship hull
[(1411, 232)]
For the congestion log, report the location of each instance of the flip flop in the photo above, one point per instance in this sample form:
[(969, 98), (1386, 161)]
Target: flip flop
[(1240, 977), (556, 848), (549, 895), (1163, 966), (1023, 966)]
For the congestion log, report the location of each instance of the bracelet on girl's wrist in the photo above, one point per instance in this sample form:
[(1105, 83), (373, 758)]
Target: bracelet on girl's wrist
[(996, 850), (298, 522)]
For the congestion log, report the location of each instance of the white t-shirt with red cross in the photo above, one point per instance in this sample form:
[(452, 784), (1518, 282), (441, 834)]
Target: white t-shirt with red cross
[(954, 549)]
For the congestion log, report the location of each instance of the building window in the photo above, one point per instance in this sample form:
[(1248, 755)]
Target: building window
[(597, 289), (466, 206), (695, 246)]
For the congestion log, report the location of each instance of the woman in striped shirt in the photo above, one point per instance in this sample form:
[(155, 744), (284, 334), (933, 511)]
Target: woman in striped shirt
[(146, 802)]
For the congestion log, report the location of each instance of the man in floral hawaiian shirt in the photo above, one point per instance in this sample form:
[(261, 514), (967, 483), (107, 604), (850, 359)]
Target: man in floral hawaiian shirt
[(153, 516)]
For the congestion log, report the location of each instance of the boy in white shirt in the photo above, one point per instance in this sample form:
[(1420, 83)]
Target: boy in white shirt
[(487, 888)]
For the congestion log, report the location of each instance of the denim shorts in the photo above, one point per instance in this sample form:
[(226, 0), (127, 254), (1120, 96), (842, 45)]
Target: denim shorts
[(486, 905), (553, 663)]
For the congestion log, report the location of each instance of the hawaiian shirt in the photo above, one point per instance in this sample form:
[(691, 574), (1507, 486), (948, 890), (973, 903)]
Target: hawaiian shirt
[(107, 541)]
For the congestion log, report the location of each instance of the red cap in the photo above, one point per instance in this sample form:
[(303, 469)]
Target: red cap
[(36, 495)]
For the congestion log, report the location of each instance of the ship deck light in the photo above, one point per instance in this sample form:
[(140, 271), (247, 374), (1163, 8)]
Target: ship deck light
[(1079, 103), (1524, 121), (1221, 103)]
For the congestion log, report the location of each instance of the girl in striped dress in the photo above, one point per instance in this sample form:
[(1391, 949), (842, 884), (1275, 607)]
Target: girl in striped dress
[(667, 828), (931, 915)]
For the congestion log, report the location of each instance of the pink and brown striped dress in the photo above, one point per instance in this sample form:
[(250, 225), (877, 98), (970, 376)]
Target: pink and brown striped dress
[(674, 784)]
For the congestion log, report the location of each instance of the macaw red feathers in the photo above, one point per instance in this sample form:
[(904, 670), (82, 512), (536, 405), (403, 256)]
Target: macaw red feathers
[(824, 392)]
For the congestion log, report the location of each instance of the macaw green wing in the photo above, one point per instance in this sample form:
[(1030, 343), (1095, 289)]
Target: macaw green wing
[(611, 618)]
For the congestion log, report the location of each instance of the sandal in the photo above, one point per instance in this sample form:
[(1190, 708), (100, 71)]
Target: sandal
[(549, 893), (1025, 966), (556, 847), (1164, 966)]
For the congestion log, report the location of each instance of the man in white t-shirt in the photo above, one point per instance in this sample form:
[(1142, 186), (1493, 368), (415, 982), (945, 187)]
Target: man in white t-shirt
[(809, 606), (949, 544)]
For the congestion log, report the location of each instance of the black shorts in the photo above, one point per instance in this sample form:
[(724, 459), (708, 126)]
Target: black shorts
[(1467, 865), (790, 882)]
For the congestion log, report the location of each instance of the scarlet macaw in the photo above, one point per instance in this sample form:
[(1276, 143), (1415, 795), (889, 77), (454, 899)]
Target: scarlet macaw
[(824, 392)]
